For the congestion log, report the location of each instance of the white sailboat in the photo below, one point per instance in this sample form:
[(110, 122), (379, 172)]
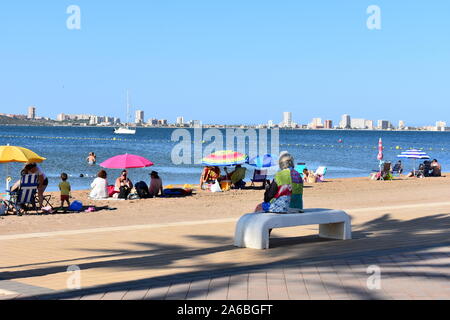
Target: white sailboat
[(126, 129)]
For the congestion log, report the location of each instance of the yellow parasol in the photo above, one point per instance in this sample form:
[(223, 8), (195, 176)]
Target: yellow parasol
[(17, 154)]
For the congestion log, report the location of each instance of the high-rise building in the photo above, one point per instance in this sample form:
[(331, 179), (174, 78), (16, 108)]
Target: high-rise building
[(270, 124), (384, 125), (287, 119), (180, 121), (31, 113), (316, 123), (369, 124), (139, 119), (401, 125), (61, 117), (345, 122), (441, 125), (195, 123), (328, 124), (358, 123)]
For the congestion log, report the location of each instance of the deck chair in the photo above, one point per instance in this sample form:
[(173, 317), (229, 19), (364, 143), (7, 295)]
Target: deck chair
[(386, 171), (398, 169), (259, 176), (300, 167), (45, 200), (24, 199), (320, 173)]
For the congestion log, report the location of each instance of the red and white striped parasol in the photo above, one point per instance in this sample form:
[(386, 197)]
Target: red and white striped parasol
[(380, 150)]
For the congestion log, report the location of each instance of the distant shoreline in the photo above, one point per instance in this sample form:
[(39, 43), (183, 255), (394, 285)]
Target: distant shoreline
[(219, 127)]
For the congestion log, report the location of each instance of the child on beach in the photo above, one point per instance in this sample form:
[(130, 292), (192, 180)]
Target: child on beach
[(64, 186)]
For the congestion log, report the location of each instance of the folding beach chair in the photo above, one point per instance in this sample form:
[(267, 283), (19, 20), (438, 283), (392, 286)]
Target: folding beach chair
[(320, 173), (45, 200), (300, 167), (24, 199), (259, 176), (386, 171), (398, 169)]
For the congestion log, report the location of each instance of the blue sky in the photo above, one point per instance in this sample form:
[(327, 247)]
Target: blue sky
[(228, 61)]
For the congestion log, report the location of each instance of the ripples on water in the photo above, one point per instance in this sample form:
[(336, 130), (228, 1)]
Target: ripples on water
[(355, 157)]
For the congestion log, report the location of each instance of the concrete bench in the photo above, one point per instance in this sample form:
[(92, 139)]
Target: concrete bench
[(252, 230)]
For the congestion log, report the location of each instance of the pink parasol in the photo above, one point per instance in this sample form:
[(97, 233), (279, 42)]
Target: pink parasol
[(126, 161)]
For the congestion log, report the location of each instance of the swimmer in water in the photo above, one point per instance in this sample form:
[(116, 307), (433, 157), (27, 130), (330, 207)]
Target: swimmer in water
[(91, 159)]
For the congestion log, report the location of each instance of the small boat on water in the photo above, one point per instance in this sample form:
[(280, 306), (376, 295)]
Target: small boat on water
[(126, 129)]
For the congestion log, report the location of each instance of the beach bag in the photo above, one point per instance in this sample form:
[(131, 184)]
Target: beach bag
[(225, 185), (124, 192), (76, 206), (216, 187), (142, 190), (111, 191)]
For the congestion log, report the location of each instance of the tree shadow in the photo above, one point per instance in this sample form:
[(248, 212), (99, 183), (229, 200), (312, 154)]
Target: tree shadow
[(380, 237)]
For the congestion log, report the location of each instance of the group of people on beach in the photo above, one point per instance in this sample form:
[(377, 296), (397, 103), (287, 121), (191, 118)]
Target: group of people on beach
[(212, 174), (284, 194), (428, 169), (123, 187)]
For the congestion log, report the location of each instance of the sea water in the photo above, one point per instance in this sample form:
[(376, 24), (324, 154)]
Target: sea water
[(346, 153)]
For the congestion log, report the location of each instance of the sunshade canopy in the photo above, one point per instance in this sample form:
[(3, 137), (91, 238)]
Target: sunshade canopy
[(224, 158), (414, 154), (18, 154), (126, 161), (265, 161)]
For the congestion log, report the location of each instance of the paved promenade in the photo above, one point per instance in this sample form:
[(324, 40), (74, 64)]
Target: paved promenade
[(196, 260)]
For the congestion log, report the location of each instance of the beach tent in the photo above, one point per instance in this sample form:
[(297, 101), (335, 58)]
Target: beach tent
[(414, 154), (10, 154)]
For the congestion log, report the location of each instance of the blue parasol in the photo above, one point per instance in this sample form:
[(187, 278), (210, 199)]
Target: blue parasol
[(265, 161)]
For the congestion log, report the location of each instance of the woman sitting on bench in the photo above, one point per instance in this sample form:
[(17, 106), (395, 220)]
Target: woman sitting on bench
[(285, 194)]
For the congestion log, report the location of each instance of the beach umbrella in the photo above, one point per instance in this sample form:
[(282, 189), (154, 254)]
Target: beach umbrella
[(18, 154), (224, 158), (126, 161), (380, 150), (10, 154), (414, 154), (265, 161), (380, 153)]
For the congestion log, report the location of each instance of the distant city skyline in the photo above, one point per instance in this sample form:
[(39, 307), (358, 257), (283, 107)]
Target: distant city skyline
[(224, 62), (346, 122)]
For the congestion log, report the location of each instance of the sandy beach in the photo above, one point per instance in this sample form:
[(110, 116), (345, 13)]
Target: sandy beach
[(347, 194), (183, 248)]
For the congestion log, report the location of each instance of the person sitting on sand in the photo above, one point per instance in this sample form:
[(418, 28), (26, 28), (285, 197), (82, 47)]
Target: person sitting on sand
[(436, 169), (209, 175), (99, 186), (285, 193), (156, 185), (237, 176), (123, 185), (91, 159)]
